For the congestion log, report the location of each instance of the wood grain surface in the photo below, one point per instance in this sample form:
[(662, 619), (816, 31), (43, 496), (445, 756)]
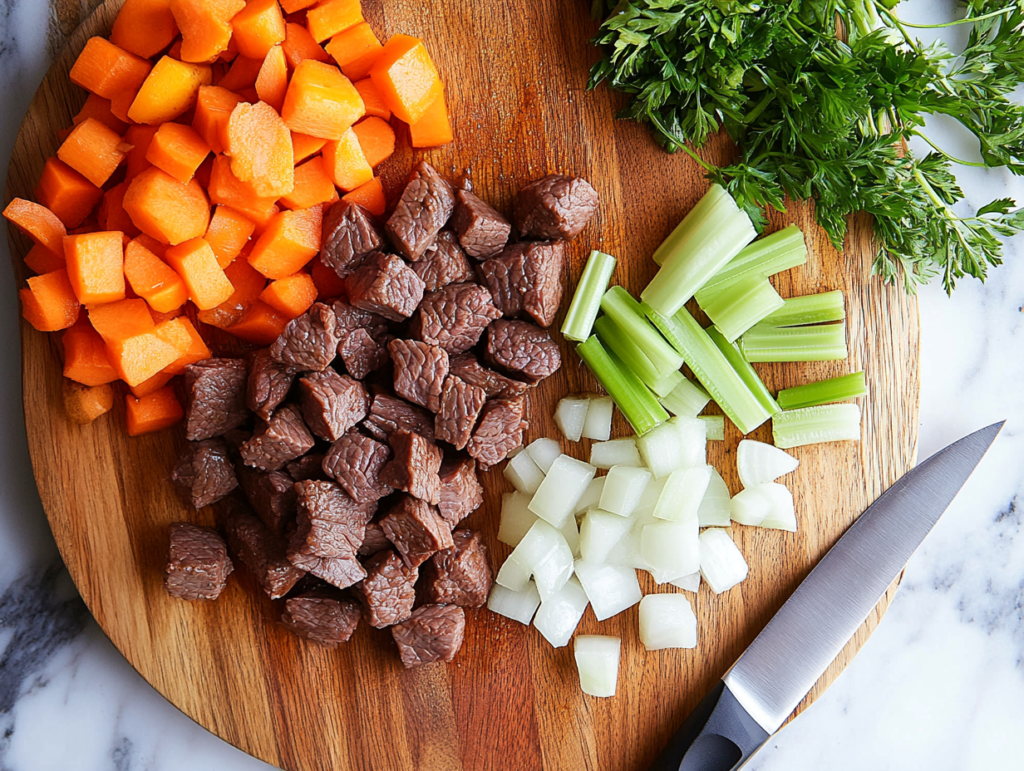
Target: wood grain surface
[(516, 79)]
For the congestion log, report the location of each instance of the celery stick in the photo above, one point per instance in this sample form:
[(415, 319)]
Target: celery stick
[(627, 315), (836, 389), (687, 399), (711, 368), (747, 373), (619, 343), (765, 257), (811, 425), (741, 305), (715, 425), (808, 309), (825, 342), (666, 384), (633, 398), (586, 302), (699, 220)]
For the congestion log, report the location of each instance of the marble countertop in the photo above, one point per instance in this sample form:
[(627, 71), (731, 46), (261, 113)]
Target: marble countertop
[(940, 685)]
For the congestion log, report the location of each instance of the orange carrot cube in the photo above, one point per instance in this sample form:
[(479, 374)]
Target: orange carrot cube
[(110, 214), (304, 146), (229, 231), (312, 186), (140, 138), (299, 44), (66, 193), (93, 150), (290, 241), (227, 189), (85, 355), (320, 101), (214, 105), (355, 50), (373, 102), (260, 146), (434, 128), (170, 89), (248, 284), (346, 163), (272, 82), (106, 70), (99, 108), (370, 196), (49, 304), (186, 338), (376, 138), (259, 324), (406, 77), (258, 28), (205, 26), (95, 263), (290, 296), (179, 150), (156, 411), (121, 320), (41, 260), (38, 223), (328, 285), (329, 17), (152, 279), (166, 209), (144, 27), (196, 263), (242, 75)]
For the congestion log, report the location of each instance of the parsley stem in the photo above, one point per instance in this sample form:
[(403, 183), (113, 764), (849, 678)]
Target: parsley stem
[(947, 155), (966, 20)]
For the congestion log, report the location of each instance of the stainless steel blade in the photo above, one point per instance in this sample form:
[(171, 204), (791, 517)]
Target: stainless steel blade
[(782, 664)]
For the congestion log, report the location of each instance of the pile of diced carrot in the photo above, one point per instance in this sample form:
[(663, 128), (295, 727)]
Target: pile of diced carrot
[(190, 189)]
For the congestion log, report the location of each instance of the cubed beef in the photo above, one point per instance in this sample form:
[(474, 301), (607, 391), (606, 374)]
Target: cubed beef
[(420, 370), (483, 232), (355, 461), (425, 206), (389, 590), (330, 523), (555, 207), (374, 540), (443, 263), (467, 368), (389, 414), (363, 354), (284, 438), (414, 468), (505, 278), (271, 494), (459, 575), (350, 318), (205, 472), (432, 633), (527, 278), (332, 403), (307, 467), (499, 431), (326, 620), (461, 491), (416, 530), (269, 383), (309, 342), (454, 318), (460, 407), (198, 565), (348, 236), (214, 398), (235, 438), (341, 572), (385, 285), (523, 348), (262, 552)]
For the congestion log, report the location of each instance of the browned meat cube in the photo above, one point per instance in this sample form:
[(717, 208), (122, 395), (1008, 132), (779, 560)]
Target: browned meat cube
[(555, 207), (284, 438), (420, 370), (262, 552), (363, 354), (205, 472), (443, 263), (499, 431), (341, 572), (235, 438), (330, 523), (326, 620), (467, 368), (374, 540), (461, 491), (527, 278), (432, 633), (384, 284), (415, 466), (271, 494), (214, 398), (425, 206), (332, 403), (389, 414), (349, 319), (416, 530), (348, 236), (523, 348), (454, 318), (355, 462), (307, 467), (198, 565), (483, 232), (459, 575), (389, 590), (269, 383), (309, 342), (460, 407)]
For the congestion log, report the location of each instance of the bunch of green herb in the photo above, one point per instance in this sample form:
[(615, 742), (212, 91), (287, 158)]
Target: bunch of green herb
[(820, 96)]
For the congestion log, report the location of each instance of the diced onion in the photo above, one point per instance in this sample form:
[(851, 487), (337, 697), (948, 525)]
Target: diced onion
[(600, 532), (759, 463), (693, 441), (715, 425), (626, 553), (618, 452), (623, 488), (523, 473), (721, 563), (545, 553), (518, 606), (571, 415), (611, 589), (516, 518), (680, 499), (667, 621), (571, 533), (660, 449), (671, 549), (715, 510), (689, 583), (565, 483), (591, 496), (649, 500), (544, 451), (559, 615), (597, 660), (599, 418), (750, 506), (514, 573), (782, 515)]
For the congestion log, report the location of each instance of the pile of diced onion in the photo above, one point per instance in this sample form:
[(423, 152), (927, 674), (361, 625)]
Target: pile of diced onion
[(579, 538)]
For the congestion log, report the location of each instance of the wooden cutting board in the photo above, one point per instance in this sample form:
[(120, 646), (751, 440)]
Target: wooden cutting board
[(516, 81)]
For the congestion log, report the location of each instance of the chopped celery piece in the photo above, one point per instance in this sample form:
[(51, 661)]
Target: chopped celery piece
[(740, 306), (715, 427), (623, 346), (687, 399), (702, 217), (747, 373), (633, 398), (825, 342), (809, 309), (811, 425), (836, 389), (667, 384), (712, 369), (599, 418), (586, 302), (765, 257), (625, 311)]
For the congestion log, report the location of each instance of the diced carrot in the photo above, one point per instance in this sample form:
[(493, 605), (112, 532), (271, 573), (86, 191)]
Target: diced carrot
[(249, 94), (178, 150), (195, 349), (328, 285), (248, 284), (434, 128), (290, 241), (370, 196), (135, 351), (38, 223), (272, 82), (305, 146), (153, 384), (213, 109), (242, 75), (329, 17), (376, 138), (227, 189), (96, 266), (153, 412), (355, 50), (320, 101), (290, 296), (166, 209), (406, 77), (111, 215), (152, 279), (175, 50), (66, 193), (259, 324), (373, 102), (294, 6), (299, 44), (83, 404), (173, 332), (93, 150), (196, 263), (156, 247), (121, 104), (258, 28), (49, 303), (312, 186), (144, 27), (106, 70), (205, 26), (345, 162), (99, 108), (85, 355), (41, 260), (160, 317), (121, 320), (260, 146), (261, 226), (169, 90), (229, 231), (139, 137), (229, 54)]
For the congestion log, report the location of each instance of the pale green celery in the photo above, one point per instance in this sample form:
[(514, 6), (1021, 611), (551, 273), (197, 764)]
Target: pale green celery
[(687, 399), (746, 372), (667, 384), (715, 425), (631, 396), (741, 305), (701, 217), (711, 368), (809, 309), (836, 389), (767, 256), (619, 343), (625, 311), (825, 342), (812, 425), (586, 302)]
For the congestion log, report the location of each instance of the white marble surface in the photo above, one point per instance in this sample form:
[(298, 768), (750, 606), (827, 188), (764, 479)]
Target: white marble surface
[(939, 686)]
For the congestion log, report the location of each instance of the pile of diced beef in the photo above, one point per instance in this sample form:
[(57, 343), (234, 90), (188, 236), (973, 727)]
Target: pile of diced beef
[(356, 438)]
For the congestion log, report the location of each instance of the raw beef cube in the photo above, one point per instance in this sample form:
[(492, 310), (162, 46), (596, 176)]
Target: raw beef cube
[(262, 552), (389, 414), (284, 438), (467, 368), (483, 232), (214, 398), (330, 523), (460, 407), (415, 466), (332, 403), (459, 575), (198, 565), (432, 633), (461, 491), (443, 263), (348, 236), (326, 620), (389, 590), (454, 318), (385, 285), (355, 462), (272, 495), (420, 370), (341, 572), (205, 472), (309, 342), (416, 530), (527, 278), (499, 431), (363, 354), (555, 207), (425, 206), (307, 467), (374, 540), (269, 383), (523, 348)]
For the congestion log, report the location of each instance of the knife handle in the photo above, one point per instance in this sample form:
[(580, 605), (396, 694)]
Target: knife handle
[(719, 735)]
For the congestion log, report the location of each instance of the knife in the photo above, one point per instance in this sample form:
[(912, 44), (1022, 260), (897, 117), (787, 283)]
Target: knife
[(772, 676)]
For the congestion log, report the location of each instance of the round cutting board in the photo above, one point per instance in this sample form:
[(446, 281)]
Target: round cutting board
[(516, 79)]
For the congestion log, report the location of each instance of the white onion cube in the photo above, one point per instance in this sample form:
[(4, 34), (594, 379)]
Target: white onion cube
[(570, 415), (693, 441), (600, 532), (618, 452), (523, 473), (660, 449), (624, 486), (783, 514), (591, 496), (560, 614), (721, 563), (516, 518), (714, 426), (518, 606), (514, 573), (671, 549), (750, 506), (715, 509), (562, 488), (544, 451), (626, 553), (599, 418), (650, 498), (571, 533), (611, 589), (759, 463), (597, 660), (683, 492), (689, 583), (545, 553), (667, 621)]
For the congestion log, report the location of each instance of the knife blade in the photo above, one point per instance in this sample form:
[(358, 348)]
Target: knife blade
[(773, 675)]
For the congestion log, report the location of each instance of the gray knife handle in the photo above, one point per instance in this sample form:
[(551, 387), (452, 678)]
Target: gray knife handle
[(719, 735)]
